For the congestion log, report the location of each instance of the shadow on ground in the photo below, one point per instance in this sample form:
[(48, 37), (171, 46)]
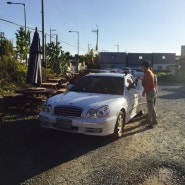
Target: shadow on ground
[(27, 150), (177, 92), (137, 125)]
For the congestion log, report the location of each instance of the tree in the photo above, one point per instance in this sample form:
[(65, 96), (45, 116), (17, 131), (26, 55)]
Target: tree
[(6, 48), (57, 60), (88, 57), (91, 60), (64, 61), (23, 43)]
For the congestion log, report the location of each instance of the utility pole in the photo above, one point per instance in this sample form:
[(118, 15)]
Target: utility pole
[(117, 47), (50, 32), (45, 55), (96, 31), (43, 34), (89, 47), (56, 41), (2, 35), (77, 47)]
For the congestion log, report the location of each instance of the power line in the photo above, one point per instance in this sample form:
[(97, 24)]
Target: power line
[(40, 32), (17, 24), (11, 22)]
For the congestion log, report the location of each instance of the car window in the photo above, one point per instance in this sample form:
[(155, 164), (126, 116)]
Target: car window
[(100, 84)]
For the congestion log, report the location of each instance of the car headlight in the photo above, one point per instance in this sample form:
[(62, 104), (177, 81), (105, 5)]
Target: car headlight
[(101, 112), (46, 107)]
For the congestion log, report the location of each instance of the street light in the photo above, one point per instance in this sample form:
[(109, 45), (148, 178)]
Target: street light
[(77, 47), (24, 19)]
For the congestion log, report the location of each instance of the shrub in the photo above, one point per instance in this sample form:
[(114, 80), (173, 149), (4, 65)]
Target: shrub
[(12, 71), (167, 77)]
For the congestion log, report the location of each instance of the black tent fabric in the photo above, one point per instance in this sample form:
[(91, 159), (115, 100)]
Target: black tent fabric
[(34, 74)]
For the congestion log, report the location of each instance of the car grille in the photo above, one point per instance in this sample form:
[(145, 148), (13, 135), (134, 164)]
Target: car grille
[(68, 111)]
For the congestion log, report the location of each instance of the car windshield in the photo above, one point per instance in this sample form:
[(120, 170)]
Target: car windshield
[(100, 84)]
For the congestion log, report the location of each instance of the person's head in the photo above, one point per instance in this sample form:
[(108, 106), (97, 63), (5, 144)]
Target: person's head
[(145, 65)]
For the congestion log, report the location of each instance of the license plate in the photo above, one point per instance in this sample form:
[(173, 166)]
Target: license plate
[(63, 123)]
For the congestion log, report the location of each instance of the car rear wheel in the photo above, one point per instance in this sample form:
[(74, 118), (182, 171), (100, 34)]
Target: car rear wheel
[(120, 123)]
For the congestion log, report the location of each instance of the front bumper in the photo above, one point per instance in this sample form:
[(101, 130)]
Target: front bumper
[(87, 126)]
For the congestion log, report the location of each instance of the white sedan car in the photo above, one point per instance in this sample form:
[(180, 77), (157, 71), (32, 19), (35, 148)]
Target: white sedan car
[(98, 104)]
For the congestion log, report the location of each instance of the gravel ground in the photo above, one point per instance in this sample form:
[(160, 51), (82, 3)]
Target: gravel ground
[(33, 156)]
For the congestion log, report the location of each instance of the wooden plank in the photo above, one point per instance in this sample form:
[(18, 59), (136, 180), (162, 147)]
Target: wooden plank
[(49, 85)]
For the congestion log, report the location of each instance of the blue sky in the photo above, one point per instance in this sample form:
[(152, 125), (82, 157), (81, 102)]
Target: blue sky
[(141, 26)]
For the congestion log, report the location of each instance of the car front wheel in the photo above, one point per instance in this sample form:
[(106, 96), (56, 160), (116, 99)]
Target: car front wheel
[(118, 130)]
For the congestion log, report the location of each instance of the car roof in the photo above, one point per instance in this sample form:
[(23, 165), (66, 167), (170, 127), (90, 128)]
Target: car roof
[(136, 68), (108, 74)]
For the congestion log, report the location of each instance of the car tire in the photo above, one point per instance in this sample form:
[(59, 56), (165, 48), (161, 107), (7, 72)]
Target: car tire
[(119, 126)]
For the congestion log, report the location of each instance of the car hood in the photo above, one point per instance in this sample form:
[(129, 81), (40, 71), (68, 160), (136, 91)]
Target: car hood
[(82, 99)]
